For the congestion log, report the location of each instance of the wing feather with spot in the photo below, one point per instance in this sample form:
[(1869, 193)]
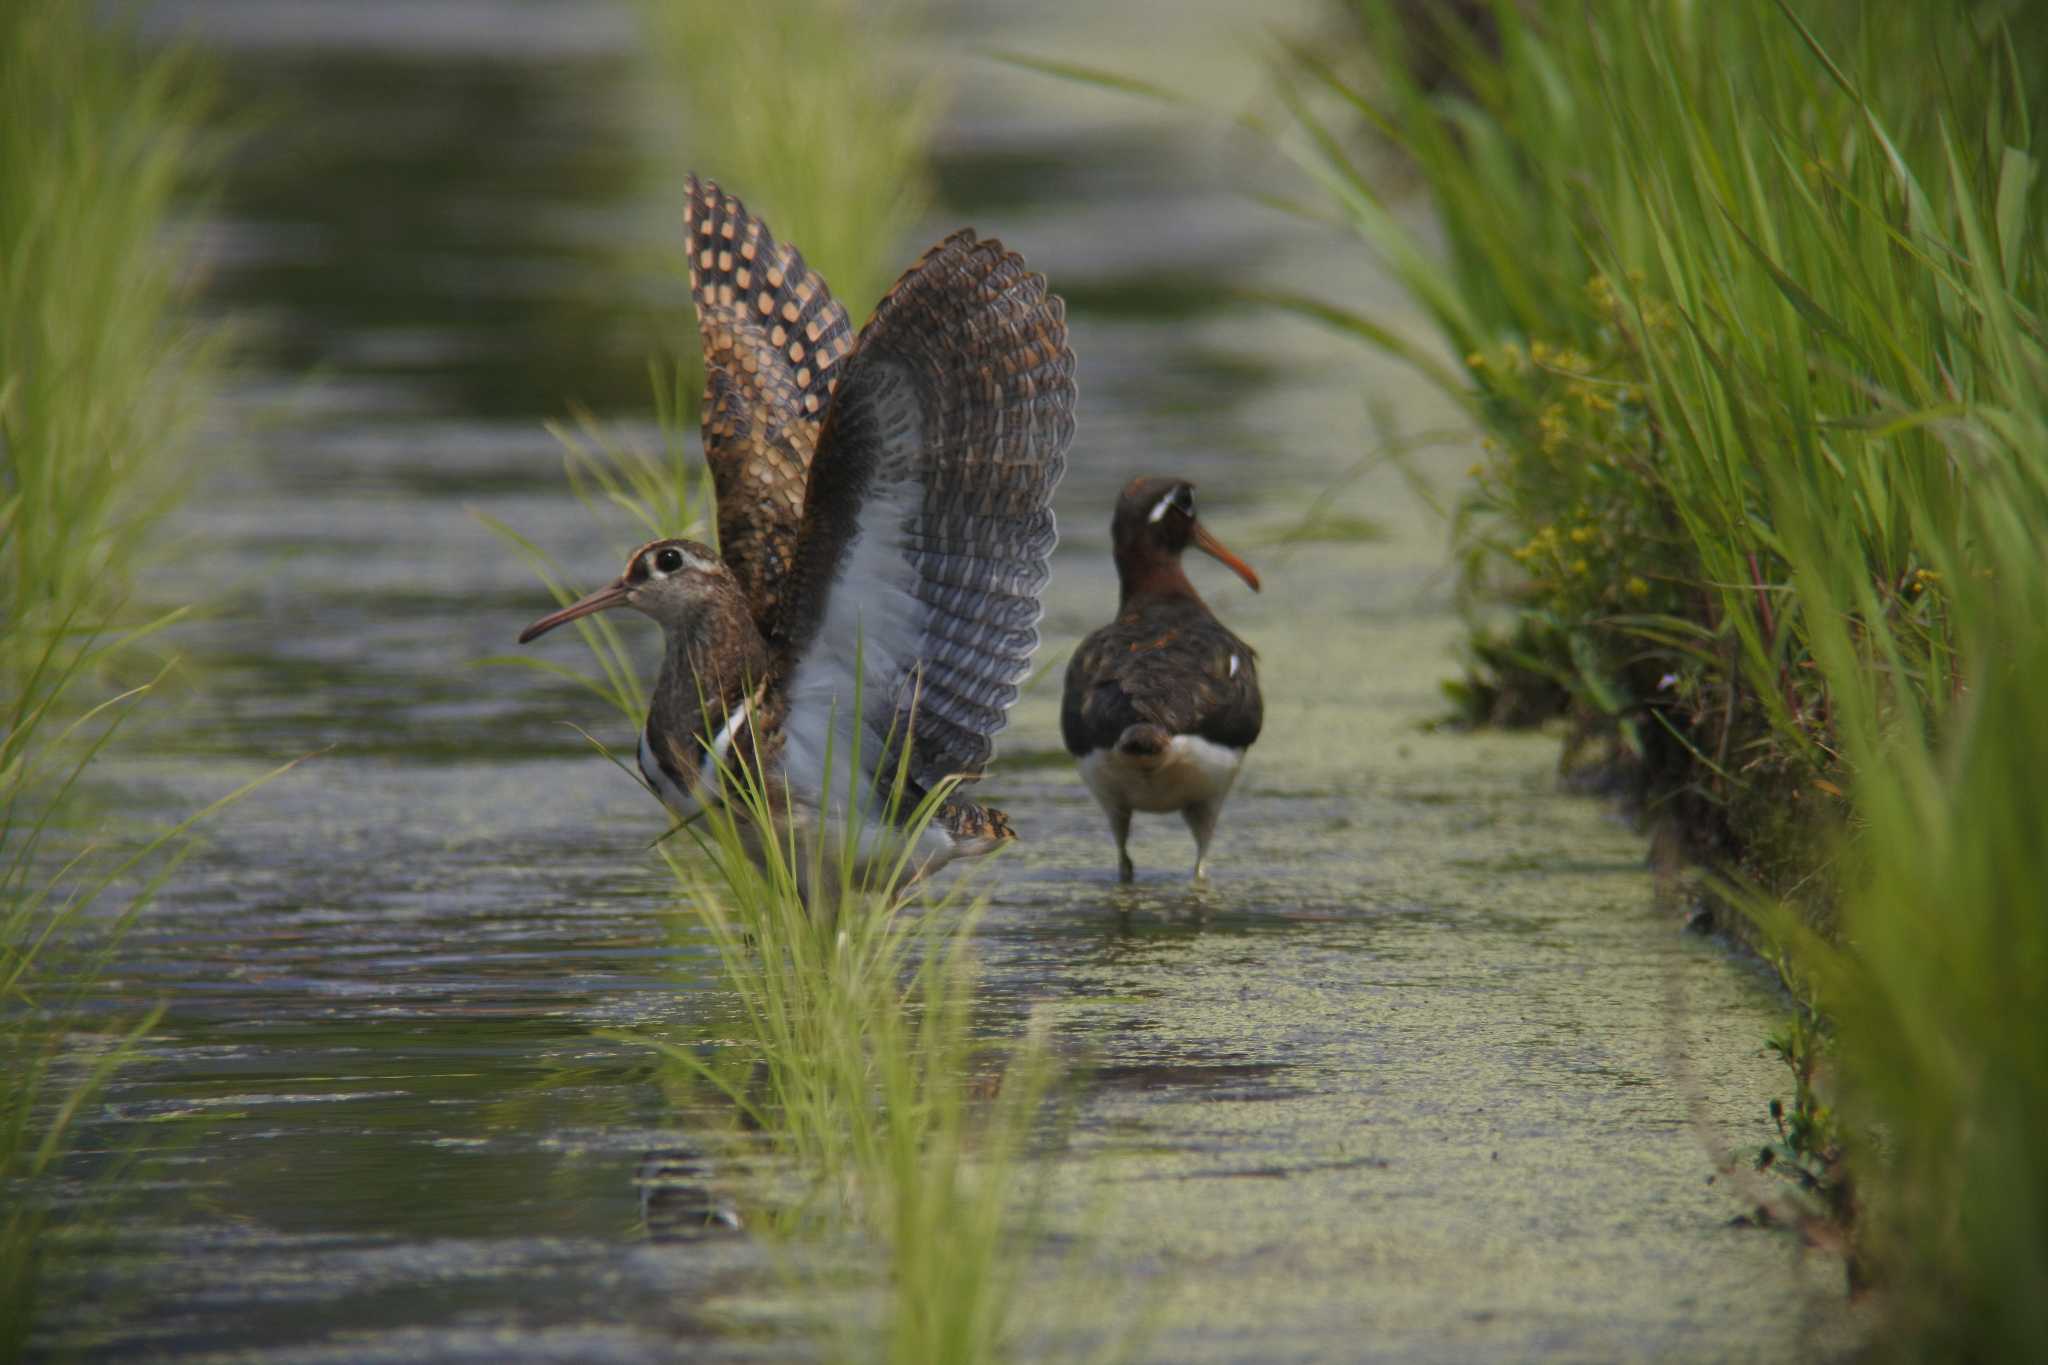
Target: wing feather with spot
[(773, 339), (928, 525)]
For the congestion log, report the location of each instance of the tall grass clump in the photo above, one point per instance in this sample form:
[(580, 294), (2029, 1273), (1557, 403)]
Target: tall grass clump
[(99, 364), (101, 377), (1938, 976), (1670, 270), (857, 1070), (1749, 303)]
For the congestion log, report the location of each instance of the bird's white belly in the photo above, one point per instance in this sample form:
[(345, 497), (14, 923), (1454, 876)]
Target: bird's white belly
[(1192, 770), (682, 803)]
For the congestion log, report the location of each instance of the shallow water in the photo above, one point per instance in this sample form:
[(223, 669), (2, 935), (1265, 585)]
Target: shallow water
[(1422, 1076)]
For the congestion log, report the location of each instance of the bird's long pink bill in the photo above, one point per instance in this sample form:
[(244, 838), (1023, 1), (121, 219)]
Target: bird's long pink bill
[(611, 595), (1213, 547)]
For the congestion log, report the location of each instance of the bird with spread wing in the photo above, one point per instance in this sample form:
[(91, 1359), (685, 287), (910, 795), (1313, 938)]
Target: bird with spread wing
[(885, 528)]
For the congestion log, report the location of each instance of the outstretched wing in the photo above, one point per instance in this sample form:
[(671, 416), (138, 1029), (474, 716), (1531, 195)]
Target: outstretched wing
[(773, 337), (928, 524)]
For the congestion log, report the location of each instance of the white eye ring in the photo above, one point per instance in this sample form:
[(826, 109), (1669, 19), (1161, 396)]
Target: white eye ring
[(1159, 508)]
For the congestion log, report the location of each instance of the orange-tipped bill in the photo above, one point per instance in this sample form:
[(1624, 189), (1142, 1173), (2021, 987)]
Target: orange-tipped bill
[(611, 595), (1213, 547)]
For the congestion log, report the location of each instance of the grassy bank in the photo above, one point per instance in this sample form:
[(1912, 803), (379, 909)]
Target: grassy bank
[(847, 1057), (1749, 302), (101, 377)]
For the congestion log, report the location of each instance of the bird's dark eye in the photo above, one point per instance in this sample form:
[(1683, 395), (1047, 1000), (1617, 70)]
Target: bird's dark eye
[(668, 560), (1184, 499)]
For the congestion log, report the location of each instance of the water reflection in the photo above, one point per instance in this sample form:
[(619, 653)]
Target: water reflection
[(677, 1200), (455, 224)]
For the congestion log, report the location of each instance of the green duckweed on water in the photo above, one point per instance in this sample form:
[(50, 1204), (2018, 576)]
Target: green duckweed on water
[(1749, 300)]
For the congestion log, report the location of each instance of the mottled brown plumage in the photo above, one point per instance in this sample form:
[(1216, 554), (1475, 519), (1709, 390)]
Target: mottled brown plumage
[(1164, 661), (951, 405), (888, 625), (773, 337)]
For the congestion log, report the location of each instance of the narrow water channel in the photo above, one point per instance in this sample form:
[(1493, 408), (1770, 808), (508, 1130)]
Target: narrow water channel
[(1424, 1075)]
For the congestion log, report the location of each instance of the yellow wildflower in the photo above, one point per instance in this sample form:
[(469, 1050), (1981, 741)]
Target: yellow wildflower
[(1590, 397)]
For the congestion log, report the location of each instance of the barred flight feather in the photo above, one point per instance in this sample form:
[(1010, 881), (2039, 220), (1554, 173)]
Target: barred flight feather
[(928, 525)]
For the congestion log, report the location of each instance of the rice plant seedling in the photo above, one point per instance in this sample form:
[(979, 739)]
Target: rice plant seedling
[(858, 1071)]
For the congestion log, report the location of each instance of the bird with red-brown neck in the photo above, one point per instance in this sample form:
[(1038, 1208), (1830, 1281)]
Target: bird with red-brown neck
[(885, 528), (1162, 703)]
